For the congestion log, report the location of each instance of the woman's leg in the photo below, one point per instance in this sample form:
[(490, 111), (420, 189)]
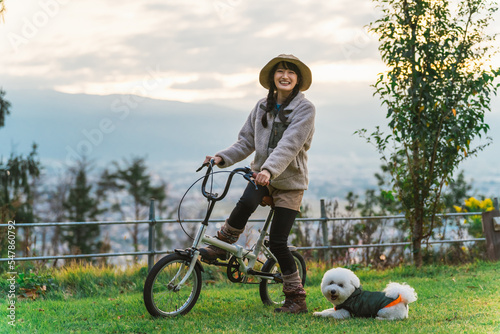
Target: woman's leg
[(295, 295), (281, 227), (247, 205)]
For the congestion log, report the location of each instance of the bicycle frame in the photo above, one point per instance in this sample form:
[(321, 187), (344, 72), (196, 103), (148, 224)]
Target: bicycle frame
[(238, 251)]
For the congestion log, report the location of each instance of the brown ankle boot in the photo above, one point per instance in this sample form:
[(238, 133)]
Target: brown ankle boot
[(227, 234), (295, 295)]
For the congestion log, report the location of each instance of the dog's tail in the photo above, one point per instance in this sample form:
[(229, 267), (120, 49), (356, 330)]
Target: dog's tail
[(407, 293)]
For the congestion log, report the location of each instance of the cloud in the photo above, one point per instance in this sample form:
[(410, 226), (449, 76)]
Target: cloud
[(198, 50), (103, 47)]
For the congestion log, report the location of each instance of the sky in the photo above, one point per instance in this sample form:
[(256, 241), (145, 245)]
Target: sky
[(190, 51), (203, 51)]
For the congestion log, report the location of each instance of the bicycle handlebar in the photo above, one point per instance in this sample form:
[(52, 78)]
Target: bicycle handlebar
[(248, 175)]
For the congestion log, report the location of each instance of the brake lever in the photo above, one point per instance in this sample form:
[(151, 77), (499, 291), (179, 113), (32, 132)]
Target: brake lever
[(249, 176), (202, 166)]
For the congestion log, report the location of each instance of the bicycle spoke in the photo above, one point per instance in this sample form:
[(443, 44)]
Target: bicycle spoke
[(163, 297)]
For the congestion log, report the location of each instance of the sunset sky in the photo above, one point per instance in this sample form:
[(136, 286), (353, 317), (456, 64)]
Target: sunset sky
[(190, 51)]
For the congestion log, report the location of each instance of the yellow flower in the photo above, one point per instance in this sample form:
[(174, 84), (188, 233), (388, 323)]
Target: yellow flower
[(457, 208), (472, 203), (487, 205)]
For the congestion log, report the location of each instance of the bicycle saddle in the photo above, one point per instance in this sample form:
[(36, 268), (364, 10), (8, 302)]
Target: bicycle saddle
[(267, 200)]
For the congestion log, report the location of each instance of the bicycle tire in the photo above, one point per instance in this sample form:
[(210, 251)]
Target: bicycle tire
[(270, 291), (160, 297)]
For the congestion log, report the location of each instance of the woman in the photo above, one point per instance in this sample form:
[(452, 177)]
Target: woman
[(279, 130)]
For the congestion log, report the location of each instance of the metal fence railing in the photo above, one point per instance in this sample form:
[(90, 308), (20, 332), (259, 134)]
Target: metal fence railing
[(151, 252)]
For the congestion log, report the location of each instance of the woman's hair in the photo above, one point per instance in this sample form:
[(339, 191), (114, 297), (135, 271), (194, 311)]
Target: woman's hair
[(271, 96)]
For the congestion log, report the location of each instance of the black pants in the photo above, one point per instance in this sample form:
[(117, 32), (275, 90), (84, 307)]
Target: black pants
[(281, 225)]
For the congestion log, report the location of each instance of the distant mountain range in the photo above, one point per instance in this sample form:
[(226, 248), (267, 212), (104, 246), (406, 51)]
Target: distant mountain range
[(174, 137), (110, 127)]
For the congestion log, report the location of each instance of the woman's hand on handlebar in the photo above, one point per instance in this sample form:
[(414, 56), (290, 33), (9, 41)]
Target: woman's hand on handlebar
[(262, 178), (217, 159)]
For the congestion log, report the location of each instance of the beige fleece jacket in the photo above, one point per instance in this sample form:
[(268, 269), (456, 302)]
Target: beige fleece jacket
[(286, 157)]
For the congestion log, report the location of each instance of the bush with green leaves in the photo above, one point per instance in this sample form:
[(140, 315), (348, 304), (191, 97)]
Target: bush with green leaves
[(436, 92)]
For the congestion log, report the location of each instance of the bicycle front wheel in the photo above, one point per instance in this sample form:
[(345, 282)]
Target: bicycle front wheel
[(162, 295), (271, 292)]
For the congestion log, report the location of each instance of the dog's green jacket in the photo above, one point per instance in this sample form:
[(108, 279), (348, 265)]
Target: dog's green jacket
[(366, 304)]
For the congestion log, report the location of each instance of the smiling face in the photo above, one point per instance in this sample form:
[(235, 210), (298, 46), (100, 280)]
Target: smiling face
[(285, 79), (338, 284)]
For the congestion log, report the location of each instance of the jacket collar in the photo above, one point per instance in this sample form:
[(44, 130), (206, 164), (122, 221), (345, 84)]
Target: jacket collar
[(353, 296)]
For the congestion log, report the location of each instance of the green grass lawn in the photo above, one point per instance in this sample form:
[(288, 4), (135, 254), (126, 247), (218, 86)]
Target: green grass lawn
[(464, 299)]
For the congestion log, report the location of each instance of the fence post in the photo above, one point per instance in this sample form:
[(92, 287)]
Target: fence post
[(151, 234), (491, 230), (324, 229)]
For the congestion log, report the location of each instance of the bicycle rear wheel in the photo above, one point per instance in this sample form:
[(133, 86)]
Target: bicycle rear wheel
[(162, 295), (271, 292)]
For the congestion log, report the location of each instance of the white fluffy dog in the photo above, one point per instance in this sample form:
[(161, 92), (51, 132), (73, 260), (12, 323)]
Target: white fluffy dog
[(342, 288)]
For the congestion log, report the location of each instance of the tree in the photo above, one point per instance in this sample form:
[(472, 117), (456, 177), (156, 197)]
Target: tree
[(134, 179), (436, 91), (54, 211), (81, 205), (160, 195), (17, 177), (4, 104)]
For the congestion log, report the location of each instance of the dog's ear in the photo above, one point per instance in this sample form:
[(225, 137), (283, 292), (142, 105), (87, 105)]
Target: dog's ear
[(355, 282)]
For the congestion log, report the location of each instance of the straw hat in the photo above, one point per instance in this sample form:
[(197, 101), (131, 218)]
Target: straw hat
[(304, 70)]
